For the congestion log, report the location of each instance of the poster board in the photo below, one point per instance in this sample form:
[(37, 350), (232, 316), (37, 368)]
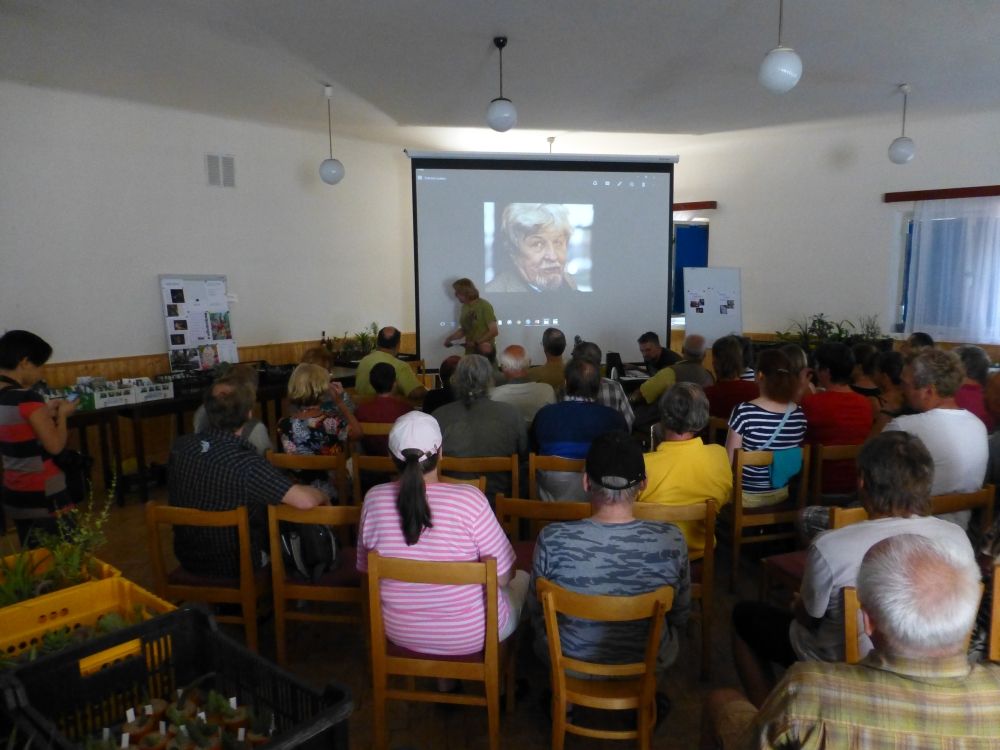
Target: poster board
[(198, 324), (713, 303)]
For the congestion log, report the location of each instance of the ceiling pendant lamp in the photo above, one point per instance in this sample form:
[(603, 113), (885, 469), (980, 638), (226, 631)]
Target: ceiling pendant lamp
[(902, 149), (782, 67), (501, 115), (331, 171)]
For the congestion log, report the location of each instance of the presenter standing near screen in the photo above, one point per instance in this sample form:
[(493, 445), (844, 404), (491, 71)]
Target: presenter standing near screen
[(477, 320)]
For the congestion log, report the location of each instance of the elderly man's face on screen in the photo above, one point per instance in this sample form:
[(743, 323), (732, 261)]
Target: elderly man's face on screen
[(541, 256)]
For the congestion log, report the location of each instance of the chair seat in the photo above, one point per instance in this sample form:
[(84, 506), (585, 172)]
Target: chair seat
[(524, 555), (181, 577), (345, 574), (791, 565), (786, 505)]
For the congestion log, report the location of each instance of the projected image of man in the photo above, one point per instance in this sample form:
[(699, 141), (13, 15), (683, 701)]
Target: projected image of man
[(534, 240)]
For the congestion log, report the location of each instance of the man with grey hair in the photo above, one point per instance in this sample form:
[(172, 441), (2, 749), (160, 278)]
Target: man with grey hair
[(473, 425), (956, 438), (610, 392), (612, 553), (682, 470), (518, 391), (915, 689), (690, 368)]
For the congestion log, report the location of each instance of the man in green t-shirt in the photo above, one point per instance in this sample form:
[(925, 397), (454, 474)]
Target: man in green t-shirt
[(387, 347), (477, 321)]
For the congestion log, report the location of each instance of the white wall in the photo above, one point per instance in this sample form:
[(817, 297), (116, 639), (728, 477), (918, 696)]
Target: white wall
[(98, 196)]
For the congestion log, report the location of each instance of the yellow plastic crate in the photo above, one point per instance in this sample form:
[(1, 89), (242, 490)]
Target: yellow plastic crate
[(25, 623), (41, 561)]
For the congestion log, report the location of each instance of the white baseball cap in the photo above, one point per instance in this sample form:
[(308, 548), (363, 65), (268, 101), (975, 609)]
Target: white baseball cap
[(415, 431)]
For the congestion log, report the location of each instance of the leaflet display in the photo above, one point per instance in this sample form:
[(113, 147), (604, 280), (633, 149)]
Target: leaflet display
[(199, 328)]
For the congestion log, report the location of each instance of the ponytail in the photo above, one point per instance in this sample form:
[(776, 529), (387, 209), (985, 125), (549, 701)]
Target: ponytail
[(414, 512), (780, 383)]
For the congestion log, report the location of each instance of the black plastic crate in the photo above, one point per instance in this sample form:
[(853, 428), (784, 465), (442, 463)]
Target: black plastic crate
[(62, 699)]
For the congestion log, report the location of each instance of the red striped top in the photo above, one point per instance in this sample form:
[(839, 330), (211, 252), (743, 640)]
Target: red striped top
[(436, 619)]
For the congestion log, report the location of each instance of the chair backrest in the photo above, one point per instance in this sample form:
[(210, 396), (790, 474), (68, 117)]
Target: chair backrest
[(742, 458), (852, 610), (994, 643), (538, 463), (823, 454), (373, 465), (841, 517), (326, 515), (705, 511), (511, 510), (956, 501), (336, 463), (483, 573), (159, 515), (477, 482), (483, 465), (559, 601), (718, 430)]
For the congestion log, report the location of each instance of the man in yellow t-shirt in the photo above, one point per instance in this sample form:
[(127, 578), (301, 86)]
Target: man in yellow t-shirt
[(387, 347), (683, 470)]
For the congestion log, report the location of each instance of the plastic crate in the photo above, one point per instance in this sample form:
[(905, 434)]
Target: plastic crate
[(56, 705), (25, 623), (41, 561)]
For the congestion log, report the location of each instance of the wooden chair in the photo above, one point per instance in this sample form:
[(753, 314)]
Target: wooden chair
[(341, 586), (981, 499), (477, 482), (702, 569), (179, 585), (538, 463), (718, 429), (389, 659), (852, 610), (770, 516), (841, 517), (994, 642), (512, 512), (451, 465), (625, 686), (823, 454), (336, 463), (373, 465), (370, 429)]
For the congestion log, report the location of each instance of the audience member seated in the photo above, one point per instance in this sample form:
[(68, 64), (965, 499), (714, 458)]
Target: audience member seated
[(421, 518), (836, 415), (864, 369), (683, 470), (888, 376), (215, 469), (443, 395), (525, 396), (385, 407), (568, 427), (690, 368), (386, 350), (312, 431), (917, 342), (655, 356), (918, 599), (895, 472), (749, 367), (614, 554), (971, 395), (254, 431), (771, 422), (991, 396), (610, 392), (955, 438), (473, 425), (320, 355), (800, 369), (729, 389), (552, 372)]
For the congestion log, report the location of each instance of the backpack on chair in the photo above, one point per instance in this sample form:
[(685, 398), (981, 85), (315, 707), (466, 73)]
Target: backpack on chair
[(308, 549)]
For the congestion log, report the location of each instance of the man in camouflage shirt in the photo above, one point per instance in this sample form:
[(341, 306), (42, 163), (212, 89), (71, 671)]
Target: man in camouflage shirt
[(615, 554)]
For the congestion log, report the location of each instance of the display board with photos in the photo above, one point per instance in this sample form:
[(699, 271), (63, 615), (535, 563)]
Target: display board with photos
[(198, 322)]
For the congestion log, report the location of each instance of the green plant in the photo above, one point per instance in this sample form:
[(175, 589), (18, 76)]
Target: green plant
[(21, 579), (80, 533), (868, 328)]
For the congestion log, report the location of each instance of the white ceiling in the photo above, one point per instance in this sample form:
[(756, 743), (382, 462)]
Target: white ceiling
[(631, 66)]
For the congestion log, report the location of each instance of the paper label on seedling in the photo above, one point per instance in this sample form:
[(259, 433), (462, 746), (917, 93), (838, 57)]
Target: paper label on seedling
[(201, 715), (232, 702), (184, 729), (106, 734), (130, 715), (163, 727), (149, 709), (124, 739), (241, 735), (180, 692)]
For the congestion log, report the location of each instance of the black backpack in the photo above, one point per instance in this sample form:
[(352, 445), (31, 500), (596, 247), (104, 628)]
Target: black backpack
[(308, 549)]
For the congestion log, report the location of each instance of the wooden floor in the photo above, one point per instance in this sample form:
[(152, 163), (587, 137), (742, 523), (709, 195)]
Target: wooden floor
[(319, 653)]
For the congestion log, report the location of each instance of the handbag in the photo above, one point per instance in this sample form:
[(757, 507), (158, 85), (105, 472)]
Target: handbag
[(785, 462)]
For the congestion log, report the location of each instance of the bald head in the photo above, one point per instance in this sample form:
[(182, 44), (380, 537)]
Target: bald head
[(694, 348), (388, 339), (514, 362)]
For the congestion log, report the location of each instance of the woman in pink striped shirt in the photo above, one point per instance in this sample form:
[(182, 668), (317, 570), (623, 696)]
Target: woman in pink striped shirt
[(420, 518)]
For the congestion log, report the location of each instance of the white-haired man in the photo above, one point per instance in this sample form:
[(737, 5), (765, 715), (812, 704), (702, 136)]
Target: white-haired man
[(527, 397), (916, 689)]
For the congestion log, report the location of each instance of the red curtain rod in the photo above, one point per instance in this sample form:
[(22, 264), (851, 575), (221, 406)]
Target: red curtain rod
[(983, 191)]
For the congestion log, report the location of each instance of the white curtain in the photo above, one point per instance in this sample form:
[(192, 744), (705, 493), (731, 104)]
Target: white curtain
[(954, 270)]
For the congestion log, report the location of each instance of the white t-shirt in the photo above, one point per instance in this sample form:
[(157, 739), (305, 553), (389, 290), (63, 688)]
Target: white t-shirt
[(528, 398), (957, 441), (832, 563)]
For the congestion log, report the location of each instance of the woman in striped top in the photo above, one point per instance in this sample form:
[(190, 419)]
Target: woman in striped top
[(754, 423), (420, 518)]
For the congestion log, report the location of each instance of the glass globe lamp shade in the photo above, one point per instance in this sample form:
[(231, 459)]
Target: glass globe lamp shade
[(780, 70), (902, 150), (331, 171), (501, 115)]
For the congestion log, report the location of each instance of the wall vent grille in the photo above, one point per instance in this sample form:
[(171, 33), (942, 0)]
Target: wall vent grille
[(221, 170)]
